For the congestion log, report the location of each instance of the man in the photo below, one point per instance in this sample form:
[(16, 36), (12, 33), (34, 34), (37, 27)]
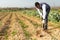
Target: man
[(44, 14)]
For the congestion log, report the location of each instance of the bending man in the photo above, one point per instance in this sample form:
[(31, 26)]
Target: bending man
[(43, 10)]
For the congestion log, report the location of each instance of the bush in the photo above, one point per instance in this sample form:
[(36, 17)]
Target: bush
[(54, 16)]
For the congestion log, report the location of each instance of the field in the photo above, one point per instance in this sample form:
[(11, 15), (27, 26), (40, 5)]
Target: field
[(26, 24)]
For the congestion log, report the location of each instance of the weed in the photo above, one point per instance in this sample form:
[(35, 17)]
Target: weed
[(14, 32), (6, 37), (0, 23), (22, 24), (27, 34)]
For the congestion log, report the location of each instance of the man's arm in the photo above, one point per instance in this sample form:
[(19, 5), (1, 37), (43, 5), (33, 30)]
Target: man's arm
[(39, 12)]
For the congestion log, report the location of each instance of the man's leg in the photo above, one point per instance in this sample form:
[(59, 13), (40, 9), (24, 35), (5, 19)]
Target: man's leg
[(45, 24)]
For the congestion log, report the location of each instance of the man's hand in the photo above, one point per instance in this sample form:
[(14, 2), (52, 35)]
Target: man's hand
[(39, 12)]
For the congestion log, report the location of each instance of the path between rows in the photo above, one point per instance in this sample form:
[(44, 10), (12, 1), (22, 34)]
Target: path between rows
[(15, 31), (4, 27)]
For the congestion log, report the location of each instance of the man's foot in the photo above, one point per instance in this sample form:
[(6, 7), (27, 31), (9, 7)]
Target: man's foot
[(45, 29), (41, 35)]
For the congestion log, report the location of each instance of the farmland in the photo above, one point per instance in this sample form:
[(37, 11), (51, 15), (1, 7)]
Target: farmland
[(27, 25)]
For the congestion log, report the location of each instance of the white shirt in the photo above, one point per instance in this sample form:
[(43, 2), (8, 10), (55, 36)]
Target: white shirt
[(43, 10)]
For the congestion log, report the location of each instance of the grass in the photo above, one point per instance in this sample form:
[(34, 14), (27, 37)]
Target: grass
[(27, 34), (22, 24), (0, 23), (14, 32), (6, 37)]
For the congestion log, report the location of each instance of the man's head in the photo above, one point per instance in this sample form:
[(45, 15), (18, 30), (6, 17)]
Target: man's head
[(37, 5)]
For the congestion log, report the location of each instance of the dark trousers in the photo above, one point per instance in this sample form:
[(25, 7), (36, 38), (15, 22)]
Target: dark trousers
[(45, 24)]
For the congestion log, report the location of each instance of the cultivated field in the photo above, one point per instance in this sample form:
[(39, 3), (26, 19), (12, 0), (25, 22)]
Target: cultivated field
[(27, 25)]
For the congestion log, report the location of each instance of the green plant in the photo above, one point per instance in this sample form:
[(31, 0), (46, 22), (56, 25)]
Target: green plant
[(54, 17), (14, 32), (27, 34), (22, 24), (0, 23), (6, 37)]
